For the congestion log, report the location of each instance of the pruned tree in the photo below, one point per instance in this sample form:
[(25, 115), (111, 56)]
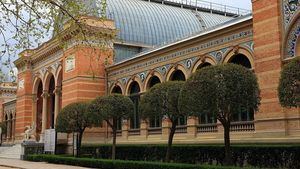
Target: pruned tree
[(111, 109), (162, 101), (223, 90), (75, 118), (289, 84)]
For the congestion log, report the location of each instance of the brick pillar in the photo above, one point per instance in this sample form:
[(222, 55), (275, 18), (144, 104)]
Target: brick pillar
[(24, 95), (267, 26)]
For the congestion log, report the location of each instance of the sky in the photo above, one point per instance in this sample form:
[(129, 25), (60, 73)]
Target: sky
[(245, 4)]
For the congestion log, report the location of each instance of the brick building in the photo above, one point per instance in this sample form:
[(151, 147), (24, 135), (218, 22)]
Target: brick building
[(157, 41)]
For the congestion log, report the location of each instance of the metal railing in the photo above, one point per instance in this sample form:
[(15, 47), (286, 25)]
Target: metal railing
[(207, 6), (134, 132), (181, 129), (242, 126), (154, 130), (207, 128), (119, 133)]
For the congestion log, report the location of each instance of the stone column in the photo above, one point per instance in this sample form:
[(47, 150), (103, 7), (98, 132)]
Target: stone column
[(57, 93), (8, 129), (45, 96), (144, 129), (166, 127), (125, 128), (192, 124)]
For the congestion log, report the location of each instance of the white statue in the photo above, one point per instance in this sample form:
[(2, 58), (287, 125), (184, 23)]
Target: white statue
[(29, 132)]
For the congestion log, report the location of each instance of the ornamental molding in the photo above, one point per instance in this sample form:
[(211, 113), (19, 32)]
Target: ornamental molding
[(290, 8), (197, 48), (292, 40)]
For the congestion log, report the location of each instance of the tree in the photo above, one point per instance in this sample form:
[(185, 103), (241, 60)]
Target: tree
[(162, 101), (289, 84), (223, 91), (111, 109), (75, 118)]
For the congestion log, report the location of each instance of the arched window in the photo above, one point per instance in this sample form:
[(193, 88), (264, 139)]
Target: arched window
[(203, 65), (177, 75), (117, 90), (241, 59), (134, 94), (153, 81)]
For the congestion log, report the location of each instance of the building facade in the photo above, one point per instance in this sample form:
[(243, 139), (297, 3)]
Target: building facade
[(150, 42)]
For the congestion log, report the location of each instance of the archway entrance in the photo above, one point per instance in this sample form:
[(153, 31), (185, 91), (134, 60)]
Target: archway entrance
[(39, 110), (241, 59), (51, 104)]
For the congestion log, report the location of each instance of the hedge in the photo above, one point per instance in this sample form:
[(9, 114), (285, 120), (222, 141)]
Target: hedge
[(116, 164), (267, 156)]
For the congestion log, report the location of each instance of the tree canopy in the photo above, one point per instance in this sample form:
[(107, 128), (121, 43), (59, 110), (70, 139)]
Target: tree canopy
[(111, 109), (222, 90), (75, 117), (289, 84), (162, 101)]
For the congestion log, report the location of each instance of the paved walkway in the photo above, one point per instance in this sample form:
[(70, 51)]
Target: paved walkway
[(19, 164)]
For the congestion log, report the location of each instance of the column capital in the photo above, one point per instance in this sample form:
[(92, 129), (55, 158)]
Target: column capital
[(34, 98), (45, 94), (57, 90)]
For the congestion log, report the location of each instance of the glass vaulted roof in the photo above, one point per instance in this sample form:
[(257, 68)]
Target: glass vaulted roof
[(148, 23)]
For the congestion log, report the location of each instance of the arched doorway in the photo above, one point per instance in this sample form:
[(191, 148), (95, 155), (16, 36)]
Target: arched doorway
[(241, 59), (51, 103), (177, 75), (134, 94), (39, 109), (11, 125)]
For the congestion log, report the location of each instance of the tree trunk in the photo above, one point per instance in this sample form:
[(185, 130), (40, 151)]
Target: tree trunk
[(228, 157), (113, 154), (170, 141), (79, 143)]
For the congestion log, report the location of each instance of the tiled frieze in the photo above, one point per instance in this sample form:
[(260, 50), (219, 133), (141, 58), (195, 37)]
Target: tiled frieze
[(290, 7)]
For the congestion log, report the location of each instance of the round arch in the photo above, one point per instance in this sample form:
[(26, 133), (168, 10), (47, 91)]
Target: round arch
[(129, 84), (150, 76), (114, 88), (58, 76), (47, 79), (240, 51), (174, 69), (206, 60), (36, 83), (291, 41)]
